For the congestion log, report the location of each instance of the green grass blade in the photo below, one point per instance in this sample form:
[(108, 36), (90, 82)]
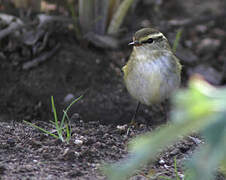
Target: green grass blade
[(77, 99), (68, 128), (68, 119), (71, 8), (59, 129), (68, 133), (175, 169), (178, 36), (68, 108), (41, 129)]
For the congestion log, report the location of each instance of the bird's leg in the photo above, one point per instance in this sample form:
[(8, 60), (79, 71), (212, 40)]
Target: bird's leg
[(133, 121)]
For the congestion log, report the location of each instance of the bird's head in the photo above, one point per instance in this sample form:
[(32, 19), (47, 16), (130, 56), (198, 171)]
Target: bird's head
[(150, 39)]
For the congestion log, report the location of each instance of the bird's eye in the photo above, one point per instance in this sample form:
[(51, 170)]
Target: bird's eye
[(150, 40)]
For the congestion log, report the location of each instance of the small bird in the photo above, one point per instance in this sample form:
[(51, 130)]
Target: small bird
[(153, 72)]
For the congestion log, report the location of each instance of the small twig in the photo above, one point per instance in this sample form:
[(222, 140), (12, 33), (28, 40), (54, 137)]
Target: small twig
[(41, 58), (102, 41), (12, 28), (45, 19), (13, 23), (38, 48)]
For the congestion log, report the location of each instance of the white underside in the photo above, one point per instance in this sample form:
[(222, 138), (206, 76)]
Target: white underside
[(152, 81)]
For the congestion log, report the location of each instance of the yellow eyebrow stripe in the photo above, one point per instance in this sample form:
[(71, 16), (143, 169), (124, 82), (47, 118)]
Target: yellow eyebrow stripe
[(155, 35)]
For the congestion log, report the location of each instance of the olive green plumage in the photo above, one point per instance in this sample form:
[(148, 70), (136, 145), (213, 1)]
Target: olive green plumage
[(153, 71)]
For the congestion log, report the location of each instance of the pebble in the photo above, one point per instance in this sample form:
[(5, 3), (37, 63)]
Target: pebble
[(68, 98)]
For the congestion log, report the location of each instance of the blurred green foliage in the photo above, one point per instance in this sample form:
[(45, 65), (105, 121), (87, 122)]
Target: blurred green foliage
[(201, 108)]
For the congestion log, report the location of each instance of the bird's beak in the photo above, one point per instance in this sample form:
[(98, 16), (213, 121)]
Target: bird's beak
[(134, 43)]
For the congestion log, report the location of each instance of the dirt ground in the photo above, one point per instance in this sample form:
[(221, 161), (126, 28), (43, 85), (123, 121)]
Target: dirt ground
[(27, 153)]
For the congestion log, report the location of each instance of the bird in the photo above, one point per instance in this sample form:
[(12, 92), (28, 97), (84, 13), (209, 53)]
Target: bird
[(153, 71)]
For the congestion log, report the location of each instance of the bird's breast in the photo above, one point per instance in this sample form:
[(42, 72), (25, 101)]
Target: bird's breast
[(151, 81)]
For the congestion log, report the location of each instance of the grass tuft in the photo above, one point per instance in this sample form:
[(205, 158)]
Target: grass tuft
[(63, 128)]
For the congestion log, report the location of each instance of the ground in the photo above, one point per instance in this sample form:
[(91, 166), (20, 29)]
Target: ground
[(78, 67)]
